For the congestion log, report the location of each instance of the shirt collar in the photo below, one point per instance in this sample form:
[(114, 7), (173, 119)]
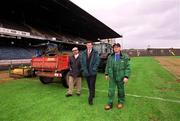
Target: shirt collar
[(76, 56)]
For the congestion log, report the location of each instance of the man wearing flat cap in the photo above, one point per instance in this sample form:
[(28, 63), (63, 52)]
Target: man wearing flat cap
[(74, 73), (117, 72)]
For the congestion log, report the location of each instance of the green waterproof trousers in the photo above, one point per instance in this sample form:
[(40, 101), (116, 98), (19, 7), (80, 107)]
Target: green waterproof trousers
[(111, 91)]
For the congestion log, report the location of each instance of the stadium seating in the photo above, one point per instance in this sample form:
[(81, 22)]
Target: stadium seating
[(8, 53)]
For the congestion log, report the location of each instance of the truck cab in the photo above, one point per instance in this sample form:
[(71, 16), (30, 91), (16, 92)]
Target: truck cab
[(104, 49)]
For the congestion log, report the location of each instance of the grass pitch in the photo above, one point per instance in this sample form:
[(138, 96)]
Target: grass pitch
[(153, 94)]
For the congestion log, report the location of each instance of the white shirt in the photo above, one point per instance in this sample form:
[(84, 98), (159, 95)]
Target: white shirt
[(75, 56), (89, 51)]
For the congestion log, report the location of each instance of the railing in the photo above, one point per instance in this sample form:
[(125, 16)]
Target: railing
[(14, 62)]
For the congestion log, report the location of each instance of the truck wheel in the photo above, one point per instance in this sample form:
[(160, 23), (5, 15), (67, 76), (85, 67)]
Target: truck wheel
[(65, 79), (45, 80)]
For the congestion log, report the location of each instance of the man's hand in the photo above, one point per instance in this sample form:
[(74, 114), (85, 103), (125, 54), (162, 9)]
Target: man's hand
[(107, 77), (125, 80)]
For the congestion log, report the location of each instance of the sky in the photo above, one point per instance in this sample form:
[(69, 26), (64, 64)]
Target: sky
[(143, 23)]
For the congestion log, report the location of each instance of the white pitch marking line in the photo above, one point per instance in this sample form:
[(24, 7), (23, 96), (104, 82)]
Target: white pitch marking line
[(139, 96)]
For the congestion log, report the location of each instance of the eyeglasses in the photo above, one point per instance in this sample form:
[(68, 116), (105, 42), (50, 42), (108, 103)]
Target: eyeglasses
[(75, 50)]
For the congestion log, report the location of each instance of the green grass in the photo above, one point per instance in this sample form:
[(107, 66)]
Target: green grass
[(29, 100)]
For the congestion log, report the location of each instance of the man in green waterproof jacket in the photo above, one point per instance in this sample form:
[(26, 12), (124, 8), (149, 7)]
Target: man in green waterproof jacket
[(118, 72)]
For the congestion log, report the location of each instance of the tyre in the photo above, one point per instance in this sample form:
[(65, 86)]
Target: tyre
[(65, 78), (45, 80)]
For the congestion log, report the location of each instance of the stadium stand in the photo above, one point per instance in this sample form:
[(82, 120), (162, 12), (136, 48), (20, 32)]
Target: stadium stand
[(13, 25), (8, 53), (27, 23), (153, 52)]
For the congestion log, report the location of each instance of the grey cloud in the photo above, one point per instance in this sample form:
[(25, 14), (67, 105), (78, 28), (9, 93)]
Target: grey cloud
[(156, 6), (143, 23)]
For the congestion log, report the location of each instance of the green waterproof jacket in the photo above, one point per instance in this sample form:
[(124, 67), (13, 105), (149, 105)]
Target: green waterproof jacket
[(117, 70), (94, 63)]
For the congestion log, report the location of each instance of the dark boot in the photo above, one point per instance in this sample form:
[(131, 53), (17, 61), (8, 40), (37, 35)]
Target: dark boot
[(90, 101)]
